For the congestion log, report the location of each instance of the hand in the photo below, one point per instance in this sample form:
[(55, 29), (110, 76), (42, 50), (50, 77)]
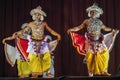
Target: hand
[(115, 31), (3, 41), (68, 31), (59, 37)]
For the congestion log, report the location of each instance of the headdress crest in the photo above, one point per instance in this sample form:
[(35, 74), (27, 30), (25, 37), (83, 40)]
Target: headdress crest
[(37, 10), (95, 7)]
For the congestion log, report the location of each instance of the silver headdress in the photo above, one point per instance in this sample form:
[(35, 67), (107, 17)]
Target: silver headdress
[(37, 10), (24, 25), (95, 7)]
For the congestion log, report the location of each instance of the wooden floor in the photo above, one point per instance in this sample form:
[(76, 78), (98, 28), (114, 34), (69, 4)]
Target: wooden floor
[(66, 78)]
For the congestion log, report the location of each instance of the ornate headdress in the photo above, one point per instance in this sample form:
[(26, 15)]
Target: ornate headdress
[(37, 10), (24, 25), (95, 7)]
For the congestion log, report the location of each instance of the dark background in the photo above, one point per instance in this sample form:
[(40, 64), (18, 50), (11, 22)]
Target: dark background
[(61, 15)]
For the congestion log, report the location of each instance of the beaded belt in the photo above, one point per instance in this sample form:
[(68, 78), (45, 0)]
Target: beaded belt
[(37, 39)]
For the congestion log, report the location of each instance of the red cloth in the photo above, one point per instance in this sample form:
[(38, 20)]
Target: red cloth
[(78, 42), (22, 45)]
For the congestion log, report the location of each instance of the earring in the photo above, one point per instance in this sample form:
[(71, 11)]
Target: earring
[(41, 18)]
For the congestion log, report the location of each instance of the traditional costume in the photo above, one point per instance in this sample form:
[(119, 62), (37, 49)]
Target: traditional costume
[(94, 45)]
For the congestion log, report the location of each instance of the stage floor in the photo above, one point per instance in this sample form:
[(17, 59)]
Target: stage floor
[(66, 78)]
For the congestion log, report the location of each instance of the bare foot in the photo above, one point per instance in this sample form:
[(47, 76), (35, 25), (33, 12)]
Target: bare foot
[(106, 74)]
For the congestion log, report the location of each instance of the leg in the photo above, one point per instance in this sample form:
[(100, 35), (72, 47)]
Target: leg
[(24, 76), (90, 74), (48, 73), (106, 73), (36, 74)]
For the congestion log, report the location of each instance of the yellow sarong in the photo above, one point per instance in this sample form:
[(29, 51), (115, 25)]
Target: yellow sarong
[(24, 68), (40, 63), (97, 63)]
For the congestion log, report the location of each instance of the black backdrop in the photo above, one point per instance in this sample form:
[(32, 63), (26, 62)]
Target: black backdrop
[(61, 15)]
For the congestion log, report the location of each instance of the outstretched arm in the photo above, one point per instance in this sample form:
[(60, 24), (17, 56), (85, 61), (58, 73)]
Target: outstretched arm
[(77, 28), (104, 27), (52, 31), (109, 29), (9, 38), (14, 35)]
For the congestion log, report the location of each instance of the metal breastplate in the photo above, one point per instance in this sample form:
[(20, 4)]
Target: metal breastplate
[(94, 29), (38, 31), (94, 26)]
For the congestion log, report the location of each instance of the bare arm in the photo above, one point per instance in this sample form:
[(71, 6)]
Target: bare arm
[(14, 35), (105, 28), (9, 38), (115, 31), (52, 31), (77, 28)]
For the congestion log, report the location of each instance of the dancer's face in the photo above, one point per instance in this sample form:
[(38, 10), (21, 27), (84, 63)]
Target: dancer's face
[(93, 13), (37, 16)]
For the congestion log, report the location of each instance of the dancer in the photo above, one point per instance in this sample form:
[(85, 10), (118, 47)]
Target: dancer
[(40, 59), (51, 44), (12, 53), (94, 45)]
